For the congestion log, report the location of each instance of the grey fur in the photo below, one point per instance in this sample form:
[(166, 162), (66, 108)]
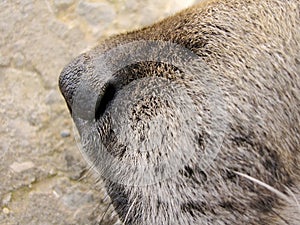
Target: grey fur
[(246, 55)]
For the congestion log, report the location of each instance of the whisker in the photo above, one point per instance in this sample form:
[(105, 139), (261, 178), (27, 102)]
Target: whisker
[(129, 210), (294, 197), (283, 219), (106, 210), (270, 188)]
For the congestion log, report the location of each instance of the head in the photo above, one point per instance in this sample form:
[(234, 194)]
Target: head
[(186, 120)]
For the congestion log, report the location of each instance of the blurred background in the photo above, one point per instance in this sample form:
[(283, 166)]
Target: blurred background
[(43, 175)]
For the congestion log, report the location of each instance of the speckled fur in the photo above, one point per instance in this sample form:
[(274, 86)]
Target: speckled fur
[(253, 49)]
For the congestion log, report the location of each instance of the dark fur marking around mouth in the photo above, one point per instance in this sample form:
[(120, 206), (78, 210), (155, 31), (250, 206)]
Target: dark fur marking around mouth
[(122, 203)]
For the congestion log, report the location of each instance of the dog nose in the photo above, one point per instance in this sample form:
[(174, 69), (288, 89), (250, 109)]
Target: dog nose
[(70, 76)]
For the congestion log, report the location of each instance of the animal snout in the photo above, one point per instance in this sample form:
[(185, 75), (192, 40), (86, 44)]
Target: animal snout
[(69, 78), (85, 100)]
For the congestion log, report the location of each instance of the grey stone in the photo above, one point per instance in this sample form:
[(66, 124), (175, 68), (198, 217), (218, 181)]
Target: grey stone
[(77, 199), (6, 199), (19, 59), (52, 97), (20, 167), (57, 191), (65, 133), (96, 14), (58, 28), (4, 60), (63, 4)]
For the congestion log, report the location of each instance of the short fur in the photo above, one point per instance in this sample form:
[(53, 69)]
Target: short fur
[(252, 48)]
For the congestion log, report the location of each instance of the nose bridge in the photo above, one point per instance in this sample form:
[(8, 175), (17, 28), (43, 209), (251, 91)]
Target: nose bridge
[(70, 76)]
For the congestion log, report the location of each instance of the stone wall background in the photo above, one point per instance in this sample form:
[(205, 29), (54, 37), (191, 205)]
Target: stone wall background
[(44, 179)]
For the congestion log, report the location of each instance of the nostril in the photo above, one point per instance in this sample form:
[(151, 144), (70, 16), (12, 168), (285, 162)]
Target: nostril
[(104, 100)]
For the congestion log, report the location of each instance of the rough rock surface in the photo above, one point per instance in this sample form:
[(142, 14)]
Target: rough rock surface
[(44, 179)]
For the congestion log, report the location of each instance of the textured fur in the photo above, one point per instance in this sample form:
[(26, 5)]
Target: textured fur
[(252, 49)]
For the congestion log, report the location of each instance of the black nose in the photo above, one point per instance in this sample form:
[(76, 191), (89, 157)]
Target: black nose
[(70, 76), (86, 94)]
